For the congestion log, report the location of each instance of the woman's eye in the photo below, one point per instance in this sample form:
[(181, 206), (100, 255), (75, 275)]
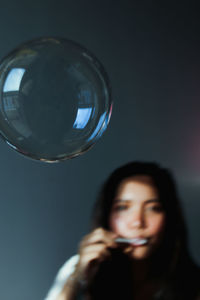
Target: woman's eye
[(120, 207), (154, 208)]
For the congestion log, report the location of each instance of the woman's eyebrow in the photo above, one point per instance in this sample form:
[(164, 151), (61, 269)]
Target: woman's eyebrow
[(121, 200), (127, 201), (156, 200)]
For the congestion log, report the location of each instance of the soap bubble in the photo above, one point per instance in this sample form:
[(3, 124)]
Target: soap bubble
[(54, 99)]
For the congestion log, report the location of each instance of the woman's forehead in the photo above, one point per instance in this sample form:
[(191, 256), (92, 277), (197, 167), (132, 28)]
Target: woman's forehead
[(137, 186), (146, 179)]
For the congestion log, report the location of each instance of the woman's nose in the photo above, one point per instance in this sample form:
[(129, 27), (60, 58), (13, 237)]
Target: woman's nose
[(135, 219)]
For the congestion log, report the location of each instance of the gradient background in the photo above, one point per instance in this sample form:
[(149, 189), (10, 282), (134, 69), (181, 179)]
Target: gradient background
[(150, 50)]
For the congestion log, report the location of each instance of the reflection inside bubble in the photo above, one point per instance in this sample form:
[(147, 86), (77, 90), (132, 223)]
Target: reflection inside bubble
[(55, 99)]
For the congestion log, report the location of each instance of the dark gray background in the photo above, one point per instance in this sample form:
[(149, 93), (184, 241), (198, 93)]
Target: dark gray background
[(150, 50)]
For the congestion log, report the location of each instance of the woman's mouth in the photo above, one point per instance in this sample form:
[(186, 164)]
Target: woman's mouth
[(139, 241)]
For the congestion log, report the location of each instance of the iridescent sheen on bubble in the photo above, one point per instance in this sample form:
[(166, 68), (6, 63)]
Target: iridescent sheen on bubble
[(55, 99)]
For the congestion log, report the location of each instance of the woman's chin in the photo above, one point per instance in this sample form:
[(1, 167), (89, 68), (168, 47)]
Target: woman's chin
[(137, 253)]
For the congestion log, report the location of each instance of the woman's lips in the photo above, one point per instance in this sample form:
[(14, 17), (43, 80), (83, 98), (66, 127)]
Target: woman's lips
[(138, 241)]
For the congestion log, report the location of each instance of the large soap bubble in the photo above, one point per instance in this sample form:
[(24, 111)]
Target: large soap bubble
[(54, 99)]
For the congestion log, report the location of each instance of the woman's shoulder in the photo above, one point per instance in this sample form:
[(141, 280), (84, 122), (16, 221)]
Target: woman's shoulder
[(67, 268), (198, 282), (62, 276), (193, 280)]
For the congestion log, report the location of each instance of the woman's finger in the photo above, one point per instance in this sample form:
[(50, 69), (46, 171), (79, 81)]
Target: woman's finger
[(99, 236)]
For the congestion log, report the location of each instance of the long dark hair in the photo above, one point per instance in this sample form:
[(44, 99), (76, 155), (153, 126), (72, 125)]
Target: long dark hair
[(172, 257)]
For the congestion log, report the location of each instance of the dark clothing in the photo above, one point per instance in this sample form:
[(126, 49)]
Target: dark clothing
[(114, 280)]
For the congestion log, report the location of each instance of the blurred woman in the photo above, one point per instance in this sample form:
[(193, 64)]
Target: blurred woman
[(138, 246)]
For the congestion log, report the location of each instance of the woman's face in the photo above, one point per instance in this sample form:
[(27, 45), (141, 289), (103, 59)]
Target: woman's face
[(138, 214)]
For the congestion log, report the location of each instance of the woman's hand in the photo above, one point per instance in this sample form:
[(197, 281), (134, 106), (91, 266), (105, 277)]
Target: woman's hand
[(94, 248)]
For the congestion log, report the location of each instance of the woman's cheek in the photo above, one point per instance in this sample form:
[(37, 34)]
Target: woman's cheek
[(156, 225), (118, 225)]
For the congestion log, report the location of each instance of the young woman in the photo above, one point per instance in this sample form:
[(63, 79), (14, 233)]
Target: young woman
[(138, 246)]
